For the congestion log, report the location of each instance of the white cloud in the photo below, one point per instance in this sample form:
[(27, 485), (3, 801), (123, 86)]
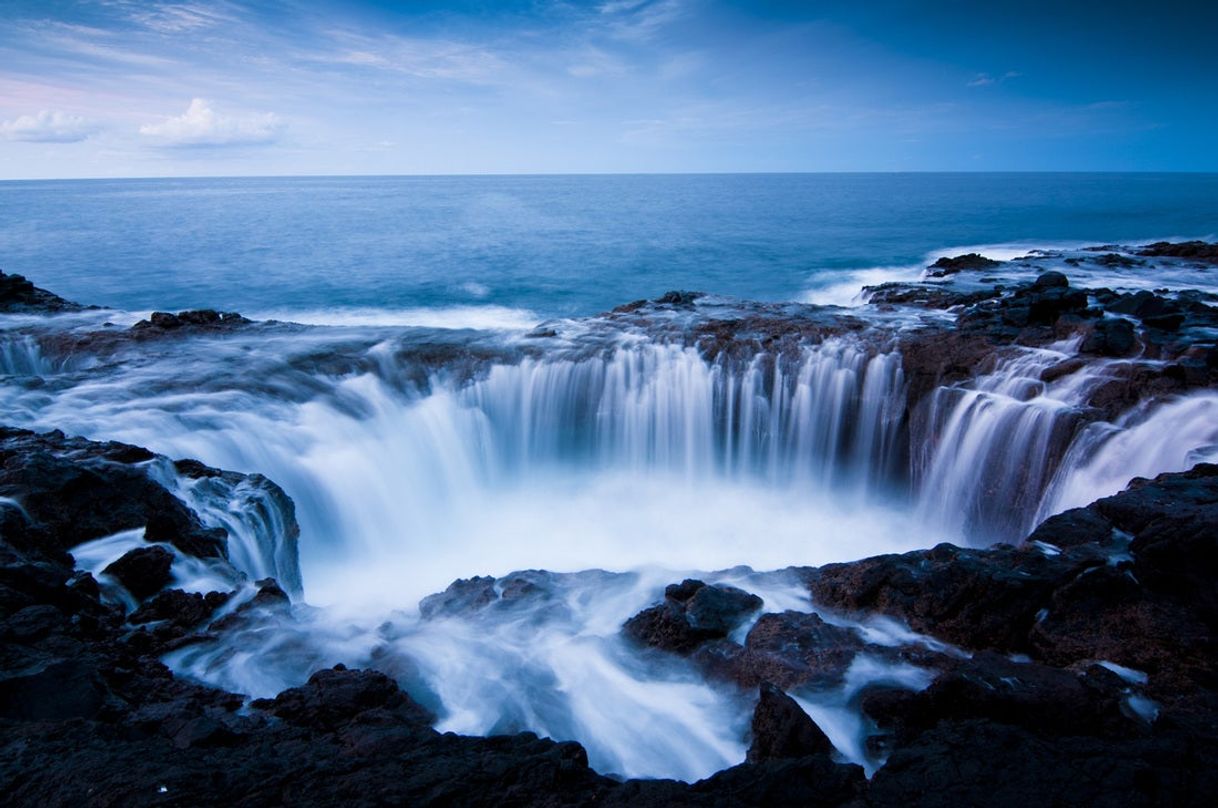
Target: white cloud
[(48, 126), (985, 79), (200, 125)]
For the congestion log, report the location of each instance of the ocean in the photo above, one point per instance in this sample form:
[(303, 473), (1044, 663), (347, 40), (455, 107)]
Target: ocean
[(486, 251)]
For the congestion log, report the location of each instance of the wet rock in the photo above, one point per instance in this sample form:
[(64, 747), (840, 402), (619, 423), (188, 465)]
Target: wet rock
[(992, 687), (1110, 337), (182, 609), (960, 263), (461, 597), (76, 490), (1113, 259), (679, 298), (810, 781), (197, 319), (143, 571), (927, 295), (1153, 310), (1072, 528), (975, 598), (781, 729), (20, 296), (1195, 250), (788, 649), (693, 612), (270, 595), (339, 696)]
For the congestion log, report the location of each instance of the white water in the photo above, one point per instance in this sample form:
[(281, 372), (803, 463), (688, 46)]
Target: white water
[(635, 456)]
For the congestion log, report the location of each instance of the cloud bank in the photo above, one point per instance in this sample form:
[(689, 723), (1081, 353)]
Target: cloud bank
[(202, 126), (48, 126)]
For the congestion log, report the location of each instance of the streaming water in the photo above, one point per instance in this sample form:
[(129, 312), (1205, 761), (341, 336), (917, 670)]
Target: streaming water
[(635, 458)]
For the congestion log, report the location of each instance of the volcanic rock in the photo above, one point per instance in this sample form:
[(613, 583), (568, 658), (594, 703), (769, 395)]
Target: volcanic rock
[(143, 571), (19, 296), (969, 261), (692, 613), (781, 729)]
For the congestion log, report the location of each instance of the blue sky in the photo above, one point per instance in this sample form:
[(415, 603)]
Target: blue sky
[(222, 87)]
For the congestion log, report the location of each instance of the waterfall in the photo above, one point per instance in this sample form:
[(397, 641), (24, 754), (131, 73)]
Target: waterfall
[(1168, 436), (21, 356), (987, 449), (830, 417)]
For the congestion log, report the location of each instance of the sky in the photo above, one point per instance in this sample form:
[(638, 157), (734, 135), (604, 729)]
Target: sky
[(125, 88)]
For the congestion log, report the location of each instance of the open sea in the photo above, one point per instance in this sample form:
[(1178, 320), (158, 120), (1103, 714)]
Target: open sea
[(484, 251)]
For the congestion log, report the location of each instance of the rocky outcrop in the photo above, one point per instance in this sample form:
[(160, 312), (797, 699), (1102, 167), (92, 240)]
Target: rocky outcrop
[(205, 319), (970, 261), (20, 296), (692, 613), (1195, 250), (69, 490), (781, 729)]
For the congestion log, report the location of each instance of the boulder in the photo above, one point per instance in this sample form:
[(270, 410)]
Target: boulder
[(692, 613), (143, 571), (781, 729)]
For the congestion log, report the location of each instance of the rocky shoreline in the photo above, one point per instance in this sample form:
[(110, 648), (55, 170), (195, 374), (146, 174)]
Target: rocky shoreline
[(1077, 666)]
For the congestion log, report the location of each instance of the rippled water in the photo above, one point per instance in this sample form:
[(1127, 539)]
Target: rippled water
[(484, 250)]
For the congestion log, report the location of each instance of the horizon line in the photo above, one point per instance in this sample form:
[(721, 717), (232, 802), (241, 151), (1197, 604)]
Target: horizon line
[(507, 174)]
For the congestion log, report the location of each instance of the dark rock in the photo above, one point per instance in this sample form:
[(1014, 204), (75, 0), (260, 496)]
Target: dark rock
[(1153, 310), (339, 696), (1195, 250), (789, 649), (679, 298), (182, 609), (270, 595), (1072, 528), (76, 490), (979, 762), (461, 597), (143, 571), (781, 729), (205, 319), (19, 296), (1051, 280), (975, 598), (53, 690), (810, 781), (692, 613), (1110, 337), (969, 261)]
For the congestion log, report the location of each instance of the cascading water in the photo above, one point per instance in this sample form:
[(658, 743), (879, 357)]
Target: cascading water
[(639, 457), (991, 446)]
